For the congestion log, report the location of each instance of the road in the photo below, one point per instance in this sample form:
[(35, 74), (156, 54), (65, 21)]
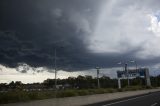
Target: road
[(151, 99)]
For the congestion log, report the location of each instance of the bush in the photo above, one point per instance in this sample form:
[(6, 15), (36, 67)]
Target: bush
[(111, 90), (120, 90), (83, 92), (148, 87), (21, 96), (15, 96), (67, 93)]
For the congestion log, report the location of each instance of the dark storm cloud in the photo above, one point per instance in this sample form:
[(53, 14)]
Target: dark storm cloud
[(31, 29)]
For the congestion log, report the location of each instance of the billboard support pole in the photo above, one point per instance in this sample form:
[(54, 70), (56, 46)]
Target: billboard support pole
[(119, 83), (147, 77)]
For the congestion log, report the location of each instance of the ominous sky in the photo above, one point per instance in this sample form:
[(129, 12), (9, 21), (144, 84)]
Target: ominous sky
[(85, 33)]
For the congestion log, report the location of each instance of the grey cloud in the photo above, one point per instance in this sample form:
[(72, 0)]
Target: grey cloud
[(30, 30)]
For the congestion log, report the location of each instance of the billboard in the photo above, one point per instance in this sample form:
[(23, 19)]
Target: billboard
[(132, 73), (141, 72)]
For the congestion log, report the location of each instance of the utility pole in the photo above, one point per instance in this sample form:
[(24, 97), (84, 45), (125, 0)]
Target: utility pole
[(55, 66), (126, 70), (119, 80), (98, 84)]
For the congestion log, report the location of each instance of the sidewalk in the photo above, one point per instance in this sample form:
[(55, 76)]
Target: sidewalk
[(81, 100)]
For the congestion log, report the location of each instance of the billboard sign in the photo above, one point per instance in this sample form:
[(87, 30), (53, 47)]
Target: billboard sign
[(132, 73)]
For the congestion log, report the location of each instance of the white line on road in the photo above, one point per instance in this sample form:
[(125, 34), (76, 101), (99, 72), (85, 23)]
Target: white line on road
[(126, 100), (154, 104)]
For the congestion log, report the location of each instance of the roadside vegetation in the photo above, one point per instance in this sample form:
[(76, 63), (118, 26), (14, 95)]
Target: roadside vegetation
[(80, 86), (24, 96)]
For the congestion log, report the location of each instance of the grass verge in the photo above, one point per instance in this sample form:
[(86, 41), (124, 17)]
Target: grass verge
[(23, 96)]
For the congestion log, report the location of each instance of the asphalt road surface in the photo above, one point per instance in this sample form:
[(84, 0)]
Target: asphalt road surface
[(150, 99)]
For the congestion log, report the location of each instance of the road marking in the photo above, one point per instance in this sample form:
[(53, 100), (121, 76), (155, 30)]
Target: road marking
[(154, 104), (126, 100)]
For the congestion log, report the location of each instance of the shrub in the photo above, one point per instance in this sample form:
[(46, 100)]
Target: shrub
[(67, 93), (83, 92), (19, 95)]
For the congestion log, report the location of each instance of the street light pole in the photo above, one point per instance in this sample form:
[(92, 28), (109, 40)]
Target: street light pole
[(98, 84), (136, 65), (119, 80), (132, 61), (55, 66), (126, 70)]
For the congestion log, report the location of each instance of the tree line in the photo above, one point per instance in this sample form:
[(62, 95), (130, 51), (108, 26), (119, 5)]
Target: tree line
[(80, 82)]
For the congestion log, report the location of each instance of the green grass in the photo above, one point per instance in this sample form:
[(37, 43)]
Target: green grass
[(23, 96)]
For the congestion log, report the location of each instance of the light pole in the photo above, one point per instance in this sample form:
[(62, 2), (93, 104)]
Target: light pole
[(55, 66), (98, 84), (119, 79), (126, 70), (133, 61)]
